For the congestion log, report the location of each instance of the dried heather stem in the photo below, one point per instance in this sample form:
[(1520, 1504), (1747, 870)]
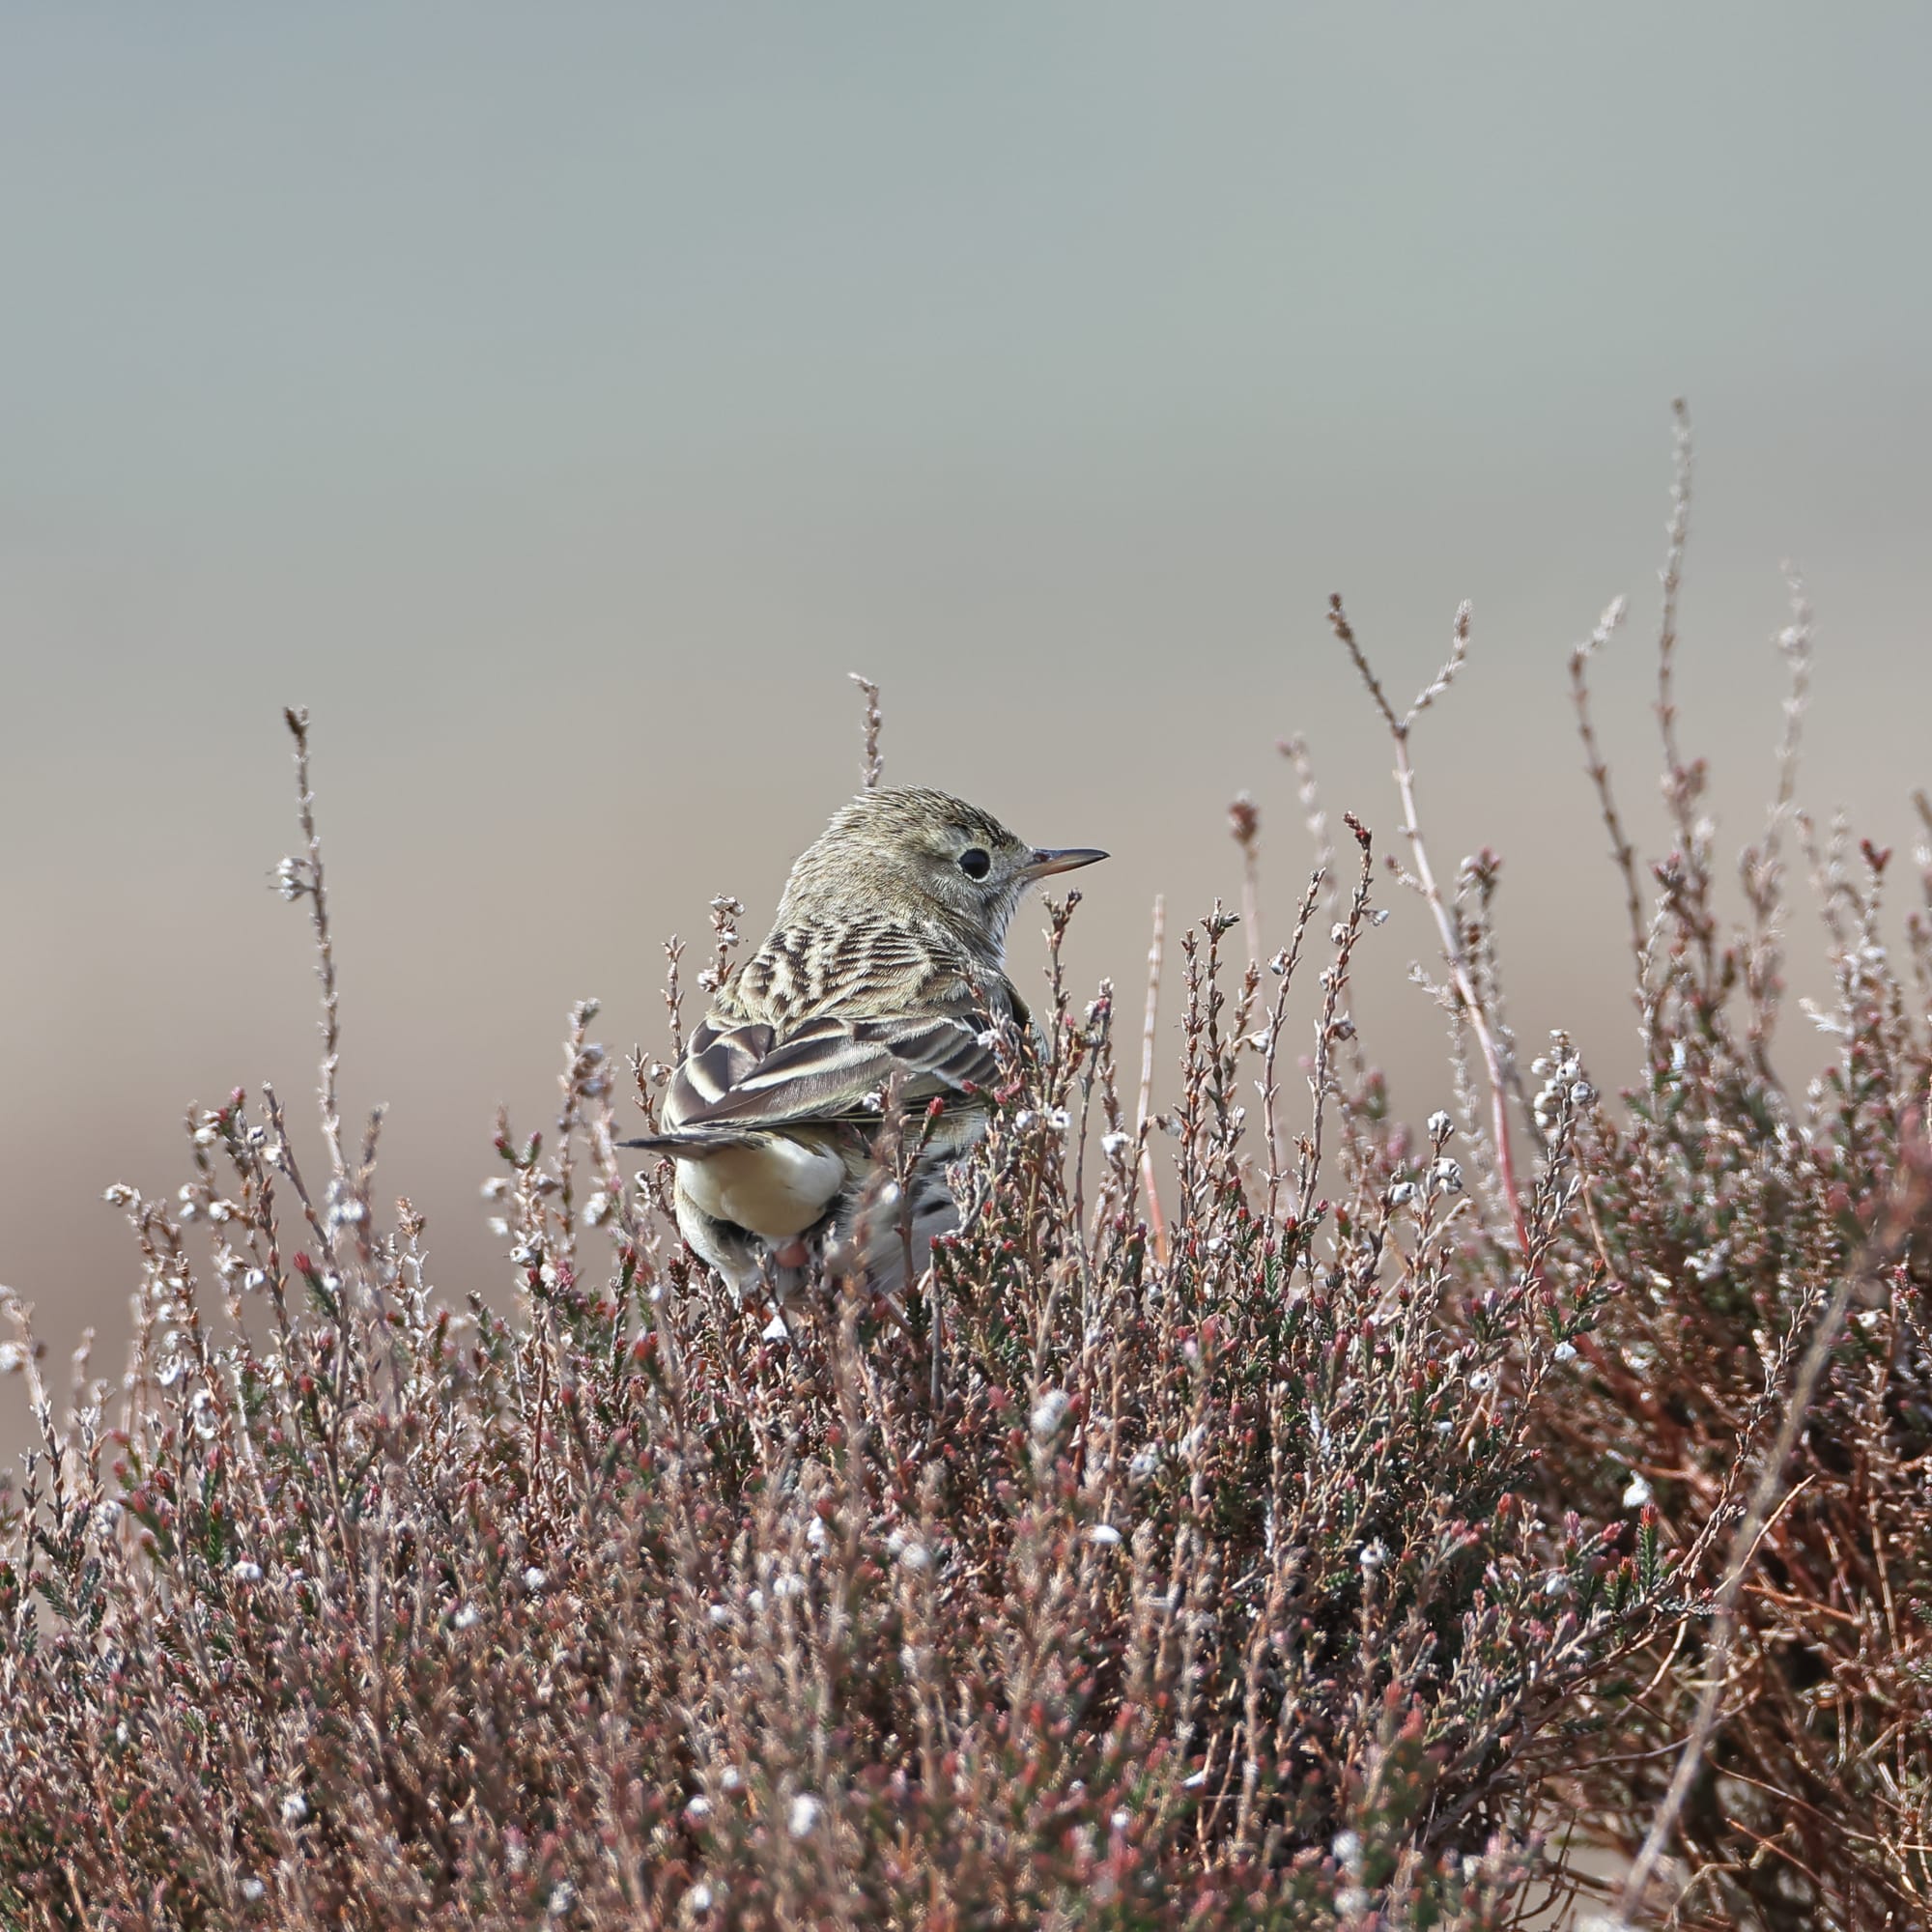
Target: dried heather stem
[(874, 765)]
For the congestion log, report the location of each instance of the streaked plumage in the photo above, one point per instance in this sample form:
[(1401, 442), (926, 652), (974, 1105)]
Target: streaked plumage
[(887, 964)]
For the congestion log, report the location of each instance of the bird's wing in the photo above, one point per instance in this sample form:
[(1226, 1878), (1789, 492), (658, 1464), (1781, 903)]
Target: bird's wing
[(830, 1067)]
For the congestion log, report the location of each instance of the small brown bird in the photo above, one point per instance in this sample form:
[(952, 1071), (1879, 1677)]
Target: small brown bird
[(886, 970)]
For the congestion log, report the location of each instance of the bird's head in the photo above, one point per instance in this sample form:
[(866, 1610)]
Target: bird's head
[(928, 856)]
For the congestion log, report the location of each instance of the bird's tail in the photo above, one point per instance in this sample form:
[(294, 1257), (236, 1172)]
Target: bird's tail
[(696, 1143)]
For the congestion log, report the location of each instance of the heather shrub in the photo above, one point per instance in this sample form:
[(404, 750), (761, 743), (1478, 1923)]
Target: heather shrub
[(1266, 1512)]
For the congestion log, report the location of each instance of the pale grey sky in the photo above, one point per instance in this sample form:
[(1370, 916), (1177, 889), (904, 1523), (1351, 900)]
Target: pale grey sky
[(561, 400)]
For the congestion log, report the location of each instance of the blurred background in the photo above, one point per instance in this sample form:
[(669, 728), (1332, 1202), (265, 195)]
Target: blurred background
[(561, 402)]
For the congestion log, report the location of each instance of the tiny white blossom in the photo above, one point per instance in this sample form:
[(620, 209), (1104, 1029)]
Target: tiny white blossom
[(246, 1572), (12, 1358), (1058, 1119), (1144, 1465), (1120, 1820), (805, 1811), (1049, 1412), (698, 1807), (562, 1893), (597, 1209), (1564, 1351), (916, 1556), (118, 1195), (1023, 1120), (1556, 1584), (1402, 1193), (294, 1809), (730, 1777), (106, 1514), (496, 1187), (1637, 1494), (1347, 1849), (468, 1617), (1115, 1144), (1448, 1175), (1104, 1534), (1441, 1126), (534, 1578), (252, 1889), (1374, 1555)]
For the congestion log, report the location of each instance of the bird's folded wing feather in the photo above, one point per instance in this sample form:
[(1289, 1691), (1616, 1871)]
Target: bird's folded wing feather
[(828, 1069)]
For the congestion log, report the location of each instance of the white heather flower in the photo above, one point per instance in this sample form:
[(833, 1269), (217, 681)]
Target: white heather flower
[(1564, 1351), (730, 1778), (1144, 1465), (1448, 1175), (12, 1358), (252, 1890), (1556, 1584), (118, 1195), (1058, 1119), (1049, 1412), (916, 1556), (697, 1808), (1402, 1193), (1374, 1555), (1120, 1820), (498, 1227), (597, 1209), (107, 1515), (1115, 1144), (288, 881), (805, 1812), (468, 1617), (246, 1572), (205, 1136), (1023, 1120), (789, 1583), (1582, 1093), (294, 1809), (1104, 1534), (1347, 1849), (255, 1280), (1441, 1126), (534, 1578), (719, 1615), (1637, 1494), (496, 1187), (561, 1895)]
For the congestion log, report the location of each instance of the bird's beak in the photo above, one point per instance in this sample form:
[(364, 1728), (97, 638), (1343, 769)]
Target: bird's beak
[(1065, 860)]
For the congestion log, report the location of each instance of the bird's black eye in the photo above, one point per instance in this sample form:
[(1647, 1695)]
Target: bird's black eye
[(976, 862)]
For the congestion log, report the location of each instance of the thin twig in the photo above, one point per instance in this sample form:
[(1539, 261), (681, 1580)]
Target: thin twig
[(1157, 1226), (1453, 950), (1621, 848), (874, 764)]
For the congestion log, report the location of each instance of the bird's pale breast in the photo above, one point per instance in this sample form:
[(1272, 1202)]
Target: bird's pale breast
[(775, 1187)]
